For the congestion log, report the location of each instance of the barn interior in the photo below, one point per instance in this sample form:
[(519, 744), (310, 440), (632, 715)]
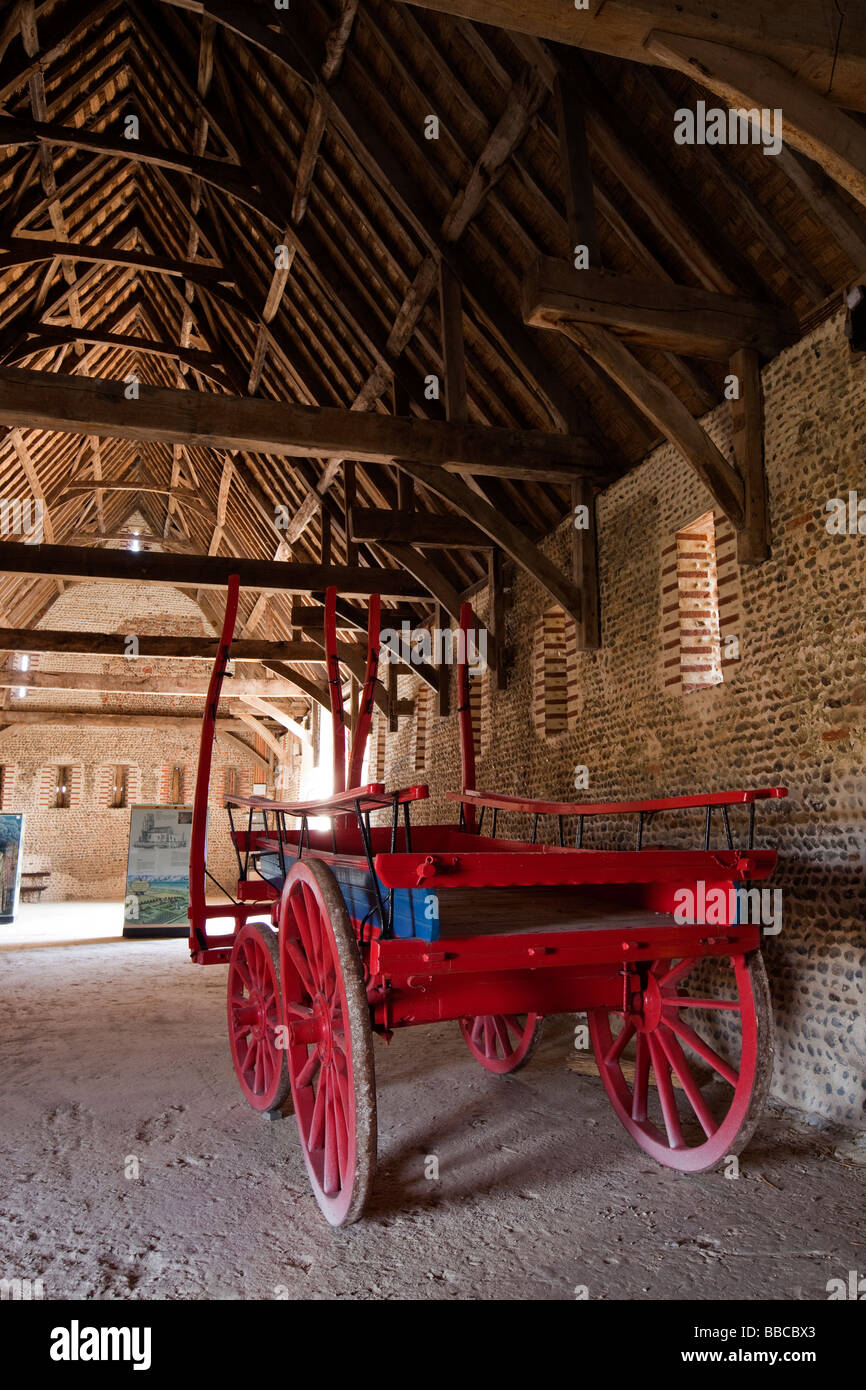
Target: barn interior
[(455, 303)]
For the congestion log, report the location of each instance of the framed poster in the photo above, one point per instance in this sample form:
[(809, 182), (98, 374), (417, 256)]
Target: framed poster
[(157, 871), (11, 840)]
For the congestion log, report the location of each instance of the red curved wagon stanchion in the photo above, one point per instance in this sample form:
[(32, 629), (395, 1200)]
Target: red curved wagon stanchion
[(376, 924), (464, 715), (198, 911), (335, 690), (368, 695)]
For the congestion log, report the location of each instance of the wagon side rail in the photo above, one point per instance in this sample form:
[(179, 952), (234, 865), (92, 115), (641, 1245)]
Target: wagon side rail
[(645, 810)]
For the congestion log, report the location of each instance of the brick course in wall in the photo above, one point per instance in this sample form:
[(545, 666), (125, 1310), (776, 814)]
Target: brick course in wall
[(790, 710)]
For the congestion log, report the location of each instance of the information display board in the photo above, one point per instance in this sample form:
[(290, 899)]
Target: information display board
[(157, 874), (11, 840)]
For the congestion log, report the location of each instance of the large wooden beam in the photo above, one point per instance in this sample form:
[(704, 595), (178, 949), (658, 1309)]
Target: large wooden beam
[(667, 413), (34, 639), (233, 743), (747, 411), (180, 494), (76, 718), (574, 152), (453, 349), (445, 594), (30, 250), (98, 683), (428, 530), (812, 124), (696, 322), (208, 363), (826, 44), (95, 406), (227, 178), (584, 565), (204, 571), (262, 732), (503, 532)]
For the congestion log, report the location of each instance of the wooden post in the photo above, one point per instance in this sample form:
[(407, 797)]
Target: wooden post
[(393, 724), (584, 560), (496, 615), (349, 501), (405, 482), (325, 518), (443, 693), (753, 539), (579, 188), (453, 353), (316, 731)]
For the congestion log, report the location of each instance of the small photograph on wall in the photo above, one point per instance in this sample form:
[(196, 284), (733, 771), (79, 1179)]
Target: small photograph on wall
[(157, 874), (11, 840)]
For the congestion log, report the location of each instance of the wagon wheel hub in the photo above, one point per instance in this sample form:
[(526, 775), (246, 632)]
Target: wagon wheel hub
[(646, 1006), (254, 1013)]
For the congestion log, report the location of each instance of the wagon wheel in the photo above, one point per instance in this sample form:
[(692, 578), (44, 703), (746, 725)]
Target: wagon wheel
[(675, 1025), (502, 1043), (254, 1017), (330, 1051)]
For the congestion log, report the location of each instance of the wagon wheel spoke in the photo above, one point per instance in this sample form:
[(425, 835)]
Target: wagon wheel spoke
[(624, 1037), (641, 1079), (514, 1023), (331, 1172), (267, 1065), (477, 1029), (298, 1010), (341, 1121), (242, 969), (306, 932), (667, 1098), (299, 961), (258, 1068), (316, 1136), (489, 1037), (308, 1070), (501, 1033), (343, 1085), (687, 1001), (684, 1074), (703, 1049), (677, 972)]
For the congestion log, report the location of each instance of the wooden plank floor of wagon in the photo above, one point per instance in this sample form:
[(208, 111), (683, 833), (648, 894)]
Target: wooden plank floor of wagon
[(510, 911)]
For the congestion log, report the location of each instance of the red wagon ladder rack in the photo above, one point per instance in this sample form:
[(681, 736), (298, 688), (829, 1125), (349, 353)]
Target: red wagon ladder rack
[(645, 810)]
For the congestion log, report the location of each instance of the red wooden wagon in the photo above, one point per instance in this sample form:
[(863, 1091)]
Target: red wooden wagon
[(374, 927)]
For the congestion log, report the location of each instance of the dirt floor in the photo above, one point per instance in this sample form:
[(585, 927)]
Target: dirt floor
[(114, 1058)]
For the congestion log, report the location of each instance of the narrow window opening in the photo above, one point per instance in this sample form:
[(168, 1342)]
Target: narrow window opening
[(120, 788), (698, 605), (62, 788), (175, 787)]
